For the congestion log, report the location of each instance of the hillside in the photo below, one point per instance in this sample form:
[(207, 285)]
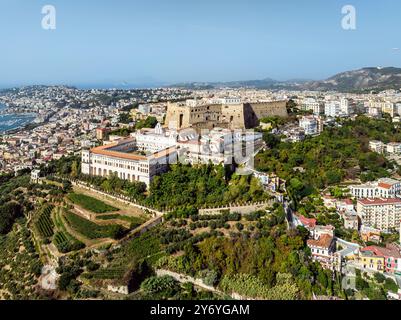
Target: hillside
[(372, 78)]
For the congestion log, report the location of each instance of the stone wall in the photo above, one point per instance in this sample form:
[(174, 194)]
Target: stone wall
[(243, 209), (233, 116)]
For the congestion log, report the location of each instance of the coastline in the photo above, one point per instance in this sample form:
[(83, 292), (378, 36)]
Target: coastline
[(23, 124)]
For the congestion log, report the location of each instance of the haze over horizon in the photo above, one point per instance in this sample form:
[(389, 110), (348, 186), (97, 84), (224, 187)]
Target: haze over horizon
[(99, 43)]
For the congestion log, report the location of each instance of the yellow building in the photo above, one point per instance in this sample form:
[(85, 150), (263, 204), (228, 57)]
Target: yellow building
[(368, 260)]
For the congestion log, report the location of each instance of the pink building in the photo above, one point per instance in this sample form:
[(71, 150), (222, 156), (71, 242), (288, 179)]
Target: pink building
[(391, 255)]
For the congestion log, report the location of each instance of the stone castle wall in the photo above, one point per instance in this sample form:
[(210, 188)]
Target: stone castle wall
[(232, 116)]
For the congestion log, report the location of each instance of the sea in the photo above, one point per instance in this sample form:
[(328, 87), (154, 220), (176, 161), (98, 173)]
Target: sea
[(13, 121)]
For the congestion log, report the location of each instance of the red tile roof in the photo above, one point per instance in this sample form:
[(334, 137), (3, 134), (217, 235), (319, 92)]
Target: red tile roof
[(383, 252), (369, 201), (384, 185), (324, 241), (310, 222)]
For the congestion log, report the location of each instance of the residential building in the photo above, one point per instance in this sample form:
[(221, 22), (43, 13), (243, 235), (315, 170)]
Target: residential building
[(393, 148), (383, 188), (351, 221), (376, 146), (383, 214), (345, 107), (323, 251), (391, 257), (369, 234), (369, 260), (311, 104), (102, 133), (311, 125), (35, 176), (332, 109)]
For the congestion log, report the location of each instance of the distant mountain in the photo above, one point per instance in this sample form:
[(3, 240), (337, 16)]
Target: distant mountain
[(259, 84), (362, 79), (357, 80)]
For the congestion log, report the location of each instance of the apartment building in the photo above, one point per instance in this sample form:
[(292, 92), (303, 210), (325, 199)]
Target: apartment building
[(310, 125), (393, 148), (376, 146), (383, 188), (383, 214), (311, 104), (332, 109)]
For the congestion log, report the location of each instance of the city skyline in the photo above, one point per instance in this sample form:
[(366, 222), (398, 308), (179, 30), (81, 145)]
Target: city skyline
[(154, 43)]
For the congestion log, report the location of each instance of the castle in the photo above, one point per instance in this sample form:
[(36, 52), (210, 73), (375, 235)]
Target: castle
[(228, 113)]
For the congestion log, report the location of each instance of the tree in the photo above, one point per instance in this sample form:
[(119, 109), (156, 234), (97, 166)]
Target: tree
[(9, 212), (149, 122), (160, 287), (379, 277), (74, 169), (390, 285), (124, 117)]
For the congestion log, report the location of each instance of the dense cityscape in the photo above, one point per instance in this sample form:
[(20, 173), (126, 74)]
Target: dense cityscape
[(199, 159), (117, 194)]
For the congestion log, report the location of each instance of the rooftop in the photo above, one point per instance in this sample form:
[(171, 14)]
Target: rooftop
[(383, 252), (379, 201), (324, 241)]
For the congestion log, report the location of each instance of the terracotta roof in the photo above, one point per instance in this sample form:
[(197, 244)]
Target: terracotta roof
[(383, 252), (369, 201), (384, 185), (103, 150), (324, 241), (310, 222), (164, 152)]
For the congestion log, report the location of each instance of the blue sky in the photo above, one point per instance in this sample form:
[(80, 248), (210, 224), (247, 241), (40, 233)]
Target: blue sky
[(146, 41)]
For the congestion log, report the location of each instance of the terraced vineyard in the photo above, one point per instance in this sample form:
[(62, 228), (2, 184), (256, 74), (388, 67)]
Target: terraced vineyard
[(90, 203), (62, 239), (44, 223), (66, 242), (134, 221), (92, 230), (110, 273)]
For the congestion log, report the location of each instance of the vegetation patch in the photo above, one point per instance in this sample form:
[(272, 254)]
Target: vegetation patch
[(44, 223), (92, 230), (90, 203), (134, 221), (66, 242)]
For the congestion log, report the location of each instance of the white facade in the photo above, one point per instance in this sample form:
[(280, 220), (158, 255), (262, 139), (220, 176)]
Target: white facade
[(393, 147), (383, 188), (218, 146), (119, 158), (230, 100), (311, 104), (309, 124), (376, 146), (156, 139), (345, 107), (332, 109)]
